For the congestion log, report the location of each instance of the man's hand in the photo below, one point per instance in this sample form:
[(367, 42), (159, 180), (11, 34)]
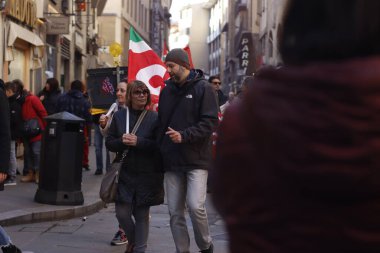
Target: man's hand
[(129, 139), (3, 176), (175, 136), (103, 121)]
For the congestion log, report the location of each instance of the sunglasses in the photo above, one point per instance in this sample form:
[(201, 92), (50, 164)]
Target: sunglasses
[(140, 92), (216, 82)]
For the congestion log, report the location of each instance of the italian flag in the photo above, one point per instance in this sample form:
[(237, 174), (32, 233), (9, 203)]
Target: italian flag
[(145, 65)]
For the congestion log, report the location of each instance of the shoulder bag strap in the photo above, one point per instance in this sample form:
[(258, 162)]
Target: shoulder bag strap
[(134, 130)]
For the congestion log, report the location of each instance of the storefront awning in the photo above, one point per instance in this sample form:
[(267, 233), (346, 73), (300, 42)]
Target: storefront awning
[(16, 31)]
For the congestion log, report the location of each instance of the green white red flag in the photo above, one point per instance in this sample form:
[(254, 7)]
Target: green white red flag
[(145, 65)]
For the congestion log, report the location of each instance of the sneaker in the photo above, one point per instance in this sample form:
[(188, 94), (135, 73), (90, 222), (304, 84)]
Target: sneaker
[(10, 181), (119, 239), (209, 250)]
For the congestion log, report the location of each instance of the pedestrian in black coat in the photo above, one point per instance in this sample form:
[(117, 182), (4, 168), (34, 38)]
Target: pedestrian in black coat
[(141, 178), (49, 95)]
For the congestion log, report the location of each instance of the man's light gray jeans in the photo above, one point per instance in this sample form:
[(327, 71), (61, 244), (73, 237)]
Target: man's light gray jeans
[(190, 188), (4, 238)]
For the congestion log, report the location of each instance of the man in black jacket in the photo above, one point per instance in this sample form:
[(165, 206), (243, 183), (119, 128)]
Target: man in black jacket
[(188, 113)]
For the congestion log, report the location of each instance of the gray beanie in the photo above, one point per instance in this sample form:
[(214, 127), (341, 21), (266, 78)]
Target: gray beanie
[(178, 56)]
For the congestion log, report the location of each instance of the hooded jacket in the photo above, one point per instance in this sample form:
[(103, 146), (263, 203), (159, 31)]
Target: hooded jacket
[(50, 100), (194, 116), (300, 155), (75, 103)]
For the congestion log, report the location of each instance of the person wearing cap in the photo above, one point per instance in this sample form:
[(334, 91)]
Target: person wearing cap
[(187, 115)]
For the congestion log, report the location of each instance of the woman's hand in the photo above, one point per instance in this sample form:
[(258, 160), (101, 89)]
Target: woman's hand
[(42, 98), (103, 121), (129, 139)]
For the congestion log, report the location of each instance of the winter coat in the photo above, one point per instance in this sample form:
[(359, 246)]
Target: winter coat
[(75, 103), (222, 99), (50, 100), (16, 122), (5, 135), (33, 108), (141, 177), (195, 116), (297, 167)]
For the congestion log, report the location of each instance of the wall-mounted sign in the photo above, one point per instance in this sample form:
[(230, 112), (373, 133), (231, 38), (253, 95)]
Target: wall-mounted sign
[(23, 10), (246, 53), (58, 25)]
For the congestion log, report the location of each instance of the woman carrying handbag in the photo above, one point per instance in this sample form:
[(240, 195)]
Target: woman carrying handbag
[(140, 183)]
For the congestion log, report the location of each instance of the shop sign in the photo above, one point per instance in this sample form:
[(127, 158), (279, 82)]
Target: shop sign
[(245, 55), (58, 25), (23, 10)]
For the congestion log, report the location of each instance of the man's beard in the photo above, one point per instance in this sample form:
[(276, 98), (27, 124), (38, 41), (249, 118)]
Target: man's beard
[(176, 78)]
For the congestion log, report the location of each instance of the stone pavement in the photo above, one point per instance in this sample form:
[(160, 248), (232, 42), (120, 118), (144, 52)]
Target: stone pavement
[(51, 228), (18, 206), (93, 234)]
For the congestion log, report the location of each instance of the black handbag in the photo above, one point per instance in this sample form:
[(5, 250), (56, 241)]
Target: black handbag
[(31, 128), (108, 187)]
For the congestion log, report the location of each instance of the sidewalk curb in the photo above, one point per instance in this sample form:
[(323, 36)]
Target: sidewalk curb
[(50, 213)]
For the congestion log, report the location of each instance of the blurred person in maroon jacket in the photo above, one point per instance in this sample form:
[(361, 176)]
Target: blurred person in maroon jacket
[(298, 159)]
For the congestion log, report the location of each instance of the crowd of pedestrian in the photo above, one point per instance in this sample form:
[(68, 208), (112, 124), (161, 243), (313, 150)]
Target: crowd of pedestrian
[(27, 112)]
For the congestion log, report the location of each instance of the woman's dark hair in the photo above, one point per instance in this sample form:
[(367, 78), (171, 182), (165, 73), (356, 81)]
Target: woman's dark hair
[(132, 86), (325, 30), (18, 86), (53, 83), (77, 85), (11, 86)]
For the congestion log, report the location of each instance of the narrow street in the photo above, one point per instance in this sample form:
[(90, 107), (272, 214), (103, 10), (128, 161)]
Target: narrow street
[(94, 233)]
